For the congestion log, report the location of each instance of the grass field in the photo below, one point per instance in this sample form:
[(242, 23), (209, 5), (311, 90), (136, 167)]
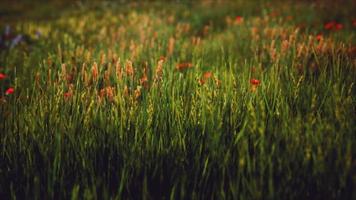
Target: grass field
[(178, 100)]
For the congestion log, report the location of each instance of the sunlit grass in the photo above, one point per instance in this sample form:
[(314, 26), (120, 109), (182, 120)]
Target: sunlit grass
[(161, 101)]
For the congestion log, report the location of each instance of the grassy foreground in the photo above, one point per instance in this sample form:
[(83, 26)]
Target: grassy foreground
[(225, 100)]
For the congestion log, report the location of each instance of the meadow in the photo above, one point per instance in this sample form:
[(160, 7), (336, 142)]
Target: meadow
[(178, 100)]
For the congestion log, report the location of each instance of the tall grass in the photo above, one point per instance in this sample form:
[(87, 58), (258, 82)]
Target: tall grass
[(145, 104)]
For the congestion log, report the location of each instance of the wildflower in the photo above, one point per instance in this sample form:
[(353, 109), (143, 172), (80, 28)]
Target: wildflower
[(319, 37), (9, 91), (110, 93), (16, 41), (329, 25), (205, 77), (338, 26), (255, 82), (38, 34), (2, 76), (95, 71), (102, 93), (239, 20), (183, 66), (67, 95), (107, 92), (144, 80), (129, 68), (285, 46)]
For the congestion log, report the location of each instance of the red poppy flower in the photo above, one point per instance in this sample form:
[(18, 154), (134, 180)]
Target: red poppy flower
[(338, 26), (2, 76), (255, 82), (329, 25), (9, 91), (207, 75), (67, 95), (239, 19), (319, 37)]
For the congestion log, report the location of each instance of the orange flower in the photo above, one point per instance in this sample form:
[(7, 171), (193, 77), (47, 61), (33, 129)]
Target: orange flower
[(205, 77), (183, 66), (209, 75)]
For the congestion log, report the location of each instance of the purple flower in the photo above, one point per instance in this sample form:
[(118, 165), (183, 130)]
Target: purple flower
[(38, 34), (16, 41)]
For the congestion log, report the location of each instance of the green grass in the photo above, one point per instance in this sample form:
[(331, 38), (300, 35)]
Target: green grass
[(67, 133)]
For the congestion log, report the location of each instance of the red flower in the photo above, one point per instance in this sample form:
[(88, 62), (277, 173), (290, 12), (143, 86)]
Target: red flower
[(255, 82), (354, 22), (319, 37), (67, 95), (329, 25), (338, 26), (207, 75), (239, 19), (2, 76), (9, 91)]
